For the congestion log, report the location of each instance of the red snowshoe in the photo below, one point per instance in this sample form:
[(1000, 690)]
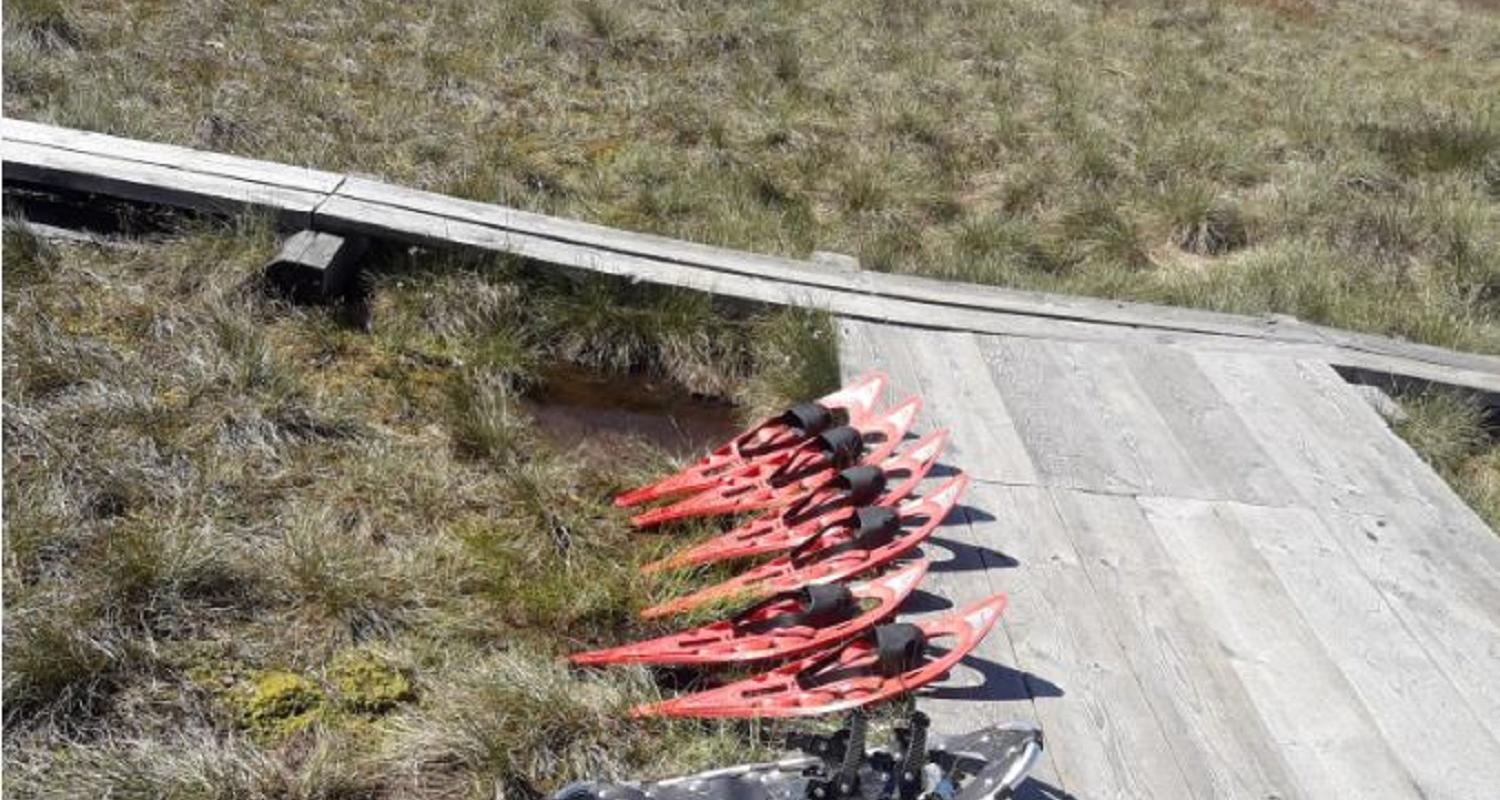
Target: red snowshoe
[(773, 435), (888, 661), (786, 625), (833, 554), (836, 503), (782, 477)]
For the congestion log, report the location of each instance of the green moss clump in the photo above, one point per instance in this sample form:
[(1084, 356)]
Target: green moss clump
[(368, 684), (280, 703)]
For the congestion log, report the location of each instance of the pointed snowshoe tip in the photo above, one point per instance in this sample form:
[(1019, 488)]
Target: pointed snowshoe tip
[(782, 478), (831, 504), (788, 429), (783, 626), (835, 554), (888, 661)]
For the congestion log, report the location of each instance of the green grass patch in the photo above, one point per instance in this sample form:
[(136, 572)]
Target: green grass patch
[(253, 552), (1153, 149)]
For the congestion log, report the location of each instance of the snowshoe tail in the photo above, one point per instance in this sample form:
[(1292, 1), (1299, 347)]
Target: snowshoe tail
[(786, 430), (833, 554), (783, 477), (784, 626), (888, 661), (832, 504)]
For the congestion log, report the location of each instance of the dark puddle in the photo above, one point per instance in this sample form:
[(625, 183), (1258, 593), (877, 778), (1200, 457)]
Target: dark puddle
[(577, 407)]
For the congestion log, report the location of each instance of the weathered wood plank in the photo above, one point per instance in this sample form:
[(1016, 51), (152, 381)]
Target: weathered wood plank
[(1104, 738), (1426, 554), (957, 390), (205, 162), (1327, 736), (1059, 419), (1401, 686), (152, 183), (1219, 741), (1220, 448), (149, 172), (989, 687)]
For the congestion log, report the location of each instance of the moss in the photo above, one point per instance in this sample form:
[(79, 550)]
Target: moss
[(369, 684), (278, 703)]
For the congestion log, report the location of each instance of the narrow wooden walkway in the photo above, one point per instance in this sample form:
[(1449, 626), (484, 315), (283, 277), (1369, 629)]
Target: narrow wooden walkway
[(1228, 577)]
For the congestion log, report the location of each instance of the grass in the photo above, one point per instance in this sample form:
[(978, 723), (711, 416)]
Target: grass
[(252, 550), (1335, 161), (1450, 433)]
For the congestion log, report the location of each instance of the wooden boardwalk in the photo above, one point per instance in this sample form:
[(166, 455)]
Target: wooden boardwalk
[(1228, 577)]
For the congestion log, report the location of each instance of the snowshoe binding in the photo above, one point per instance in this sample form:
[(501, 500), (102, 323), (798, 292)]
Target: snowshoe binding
[(782, 477), (781, 432), (838, 502), (834, 553), (887, 661), (985, 764), (784, 626)]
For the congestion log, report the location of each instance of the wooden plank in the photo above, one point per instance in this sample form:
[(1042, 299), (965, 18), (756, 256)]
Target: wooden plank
[(1058, 418), (1215, 440), (1104, 738), (1219, 741), (1328, 738), (923, 290), (957, 390), (150, 172), (165, 155), (1433, 564), (151, 183), (1401, 686), (987, 688)]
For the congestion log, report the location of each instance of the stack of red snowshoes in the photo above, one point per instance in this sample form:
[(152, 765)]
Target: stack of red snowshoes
[(834, 483)]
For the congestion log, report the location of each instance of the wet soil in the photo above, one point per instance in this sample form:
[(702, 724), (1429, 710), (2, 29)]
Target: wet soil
[(577, 407)]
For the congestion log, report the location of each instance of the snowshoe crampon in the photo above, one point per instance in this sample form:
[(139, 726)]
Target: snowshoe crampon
[(835, 553), (786, 625), (985, 764), (781, 432), (785, 476), (888, 661), (837, 503)]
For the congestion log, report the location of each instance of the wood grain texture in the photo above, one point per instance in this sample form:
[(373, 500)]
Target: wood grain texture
[(156, 184), (1106, 740), (1326, 734), (1395, 677), (1222, 746), (150, 172)]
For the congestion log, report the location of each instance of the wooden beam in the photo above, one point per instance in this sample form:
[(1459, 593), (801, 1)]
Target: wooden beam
[(305, 198)]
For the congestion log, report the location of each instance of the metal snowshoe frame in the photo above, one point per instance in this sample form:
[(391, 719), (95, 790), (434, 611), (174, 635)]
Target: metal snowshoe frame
[(985, 764)]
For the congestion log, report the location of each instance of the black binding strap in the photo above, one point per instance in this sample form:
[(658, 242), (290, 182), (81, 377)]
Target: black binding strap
[(809, 418), (874, 526), (844, 443), (898, 647), (822, 605), (864, 483)]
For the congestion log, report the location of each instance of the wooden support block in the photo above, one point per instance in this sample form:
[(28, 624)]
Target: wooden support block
[(314, 265)]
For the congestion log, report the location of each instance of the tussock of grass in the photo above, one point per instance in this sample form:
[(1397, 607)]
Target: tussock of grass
[(220, 509), (1449, 432), (1152, 149)]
